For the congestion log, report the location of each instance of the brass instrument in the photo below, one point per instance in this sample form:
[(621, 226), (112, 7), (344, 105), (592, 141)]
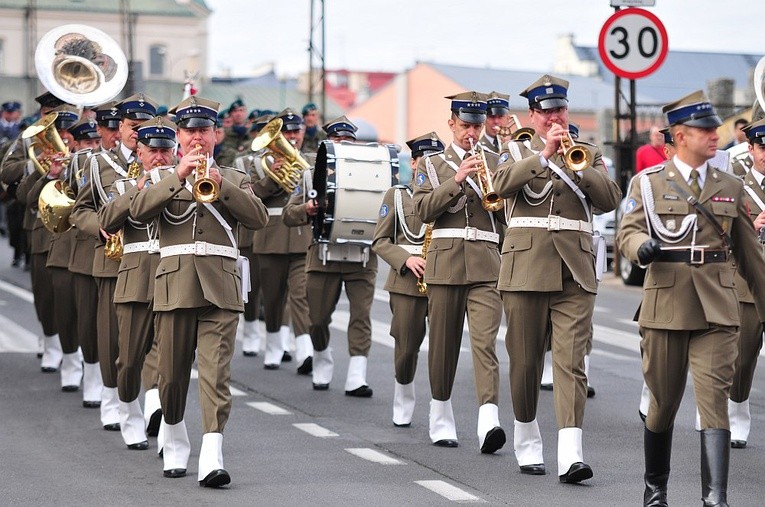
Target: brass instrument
[(43, 133), (205, 189), (422, 287), (113, 245), (56, 203), (491, 201), (287, 176), (575, 156), (515, 132)]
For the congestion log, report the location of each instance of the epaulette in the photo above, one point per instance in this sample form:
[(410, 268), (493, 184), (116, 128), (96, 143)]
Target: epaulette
[(587, 143), (653, 169), (400, 186), (489, 149), (236, 169)]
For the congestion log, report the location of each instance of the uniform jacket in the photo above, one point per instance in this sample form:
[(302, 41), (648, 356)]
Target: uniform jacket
[(83, 244), (190, 281), (532, 257), (744, 294), (89, 201), (680, 296), (455, 261), (27, 194), (311, 142), (59, 244), (389, 235)]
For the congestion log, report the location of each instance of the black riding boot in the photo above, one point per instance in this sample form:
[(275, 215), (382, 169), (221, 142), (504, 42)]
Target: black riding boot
[(715, 457), (658, 451)]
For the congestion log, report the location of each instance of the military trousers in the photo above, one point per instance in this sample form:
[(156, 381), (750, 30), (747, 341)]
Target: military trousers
[(407, 327), (323, 292), (42, 289), (86, 303), (447, 307), (252, 306), (136, 336), (749, 345), (283, 279), (211, 331), (65, 310), (711, 354), (564, 319), (107, 330)]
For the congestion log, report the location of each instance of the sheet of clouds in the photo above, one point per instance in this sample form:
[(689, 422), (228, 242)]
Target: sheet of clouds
[(392, 35)]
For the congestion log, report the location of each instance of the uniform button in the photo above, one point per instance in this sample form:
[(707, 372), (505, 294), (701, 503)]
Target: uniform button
[(533, 171), (201, 214), (471, 199), (557, 177), (470, 214), (557, 212), (199, 231), (557, 193), (172, 189), (225, 198), (670, 208)]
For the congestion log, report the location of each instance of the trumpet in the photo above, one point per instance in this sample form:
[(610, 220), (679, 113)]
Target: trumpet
[(491, 201), (422, 287), (575, 156), (205, 189)]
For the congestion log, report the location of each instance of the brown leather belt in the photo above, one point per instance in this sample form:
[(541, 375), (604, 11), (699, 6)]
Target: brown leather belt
[(700, 256)]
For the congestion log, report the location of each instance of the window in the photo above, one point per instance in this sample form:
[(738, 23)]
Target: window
[(157, 54)]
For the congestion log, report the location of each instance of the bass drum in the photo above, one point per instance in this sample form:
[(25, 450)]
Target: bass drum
[(351, 180)]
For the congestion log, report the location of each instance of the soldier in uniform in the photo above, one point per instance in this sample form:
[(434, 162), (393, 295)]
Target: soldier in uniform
[(280, 252), (237, 136), (687, 221), (324, 280), (101, 171), (314, 134), (224, 154), (399, 240), (548, 280), (497, 116), (198, 289), (461, 273), (135, 282), (108, 121)]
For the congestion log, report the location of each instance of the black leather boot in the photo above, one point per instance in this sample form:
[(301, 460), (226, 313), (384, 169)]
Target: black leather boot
[(658, 451), (715, 457)]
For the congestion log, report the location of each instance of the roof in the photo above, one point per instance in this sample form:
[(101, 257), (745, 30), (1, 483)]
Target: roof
[(185, 8), (585, 93)]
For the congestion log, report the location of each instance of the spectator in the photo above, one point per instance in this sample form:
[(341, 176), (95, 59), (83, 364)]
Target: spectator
[(10, 124), (650, 154)]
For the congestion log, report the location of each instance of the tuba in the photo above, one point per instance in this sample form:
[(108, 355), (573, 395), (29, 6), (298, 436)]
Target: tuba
[(43, 133), (491, 201), (289, 174), (205, 189)]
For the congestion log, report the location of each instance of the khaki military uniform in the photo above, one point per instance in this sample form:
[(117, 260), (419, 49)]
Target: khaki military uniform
[(244, 238), (102, 169), (689, 312), (225, 154), (461, 274), (237, 142), (398, 236), (197, 292), (548, 280), (490, 143), (312, 139)]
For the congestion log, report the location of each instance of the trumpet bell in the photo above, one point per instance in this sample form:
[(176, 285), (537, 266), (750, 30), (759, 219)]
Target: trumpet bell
[(577, 158), (492, 202), (56, 203), (523, 134), (205, 190)]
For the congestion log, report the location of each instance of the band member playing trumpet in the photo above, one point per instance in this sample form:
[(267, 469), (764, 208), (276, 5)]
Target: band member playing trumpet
[(198, 288), (101, 170), (497, 117), (461, 273), (548, 280), (135, 283), (400, 237)]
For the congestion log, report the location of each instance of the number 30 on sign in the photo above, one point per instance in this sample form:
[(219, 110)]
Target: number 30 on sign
[(633, 43)]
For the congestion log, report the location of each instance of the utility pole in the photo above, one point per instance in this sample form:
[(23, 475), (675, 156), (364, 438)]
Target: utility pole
[(316, 56)]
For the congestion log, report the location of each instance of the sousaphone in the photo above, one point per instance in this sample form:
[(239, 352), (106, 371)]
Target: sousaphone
[(82, 66)]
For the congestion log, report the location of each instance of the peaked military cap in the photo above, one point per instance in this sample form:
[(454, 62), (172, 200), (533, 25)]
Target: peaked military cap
[(755, 132), (67, 116), (498, 104), (260, 122), (341, 126), (667, 136), (469, 107), (547, 92), (138, 107), (195, 112), (425, 145), (290, 120), (11, 106), (47, 99), (693, 110), (159, 132), (108, 115), (85, 129)]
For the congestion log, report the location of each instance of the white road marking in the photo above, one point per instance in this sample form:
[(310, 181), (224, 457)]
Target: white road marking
[(236, 392), (19, 292), (315, 430), (268, 408), (448, 491), (14, 338), (194, 373), (375, 456)]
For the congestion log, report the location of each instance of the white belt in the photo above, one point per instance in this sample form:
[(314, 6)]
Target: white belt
[(468, 234), (199, 248), (412, 249), (551, 223), (275, 212), (142, 246)]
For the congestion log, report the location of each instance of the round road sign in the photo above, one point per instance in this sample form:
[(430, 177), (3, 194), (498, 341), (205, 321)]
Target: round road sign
[(633, 43)]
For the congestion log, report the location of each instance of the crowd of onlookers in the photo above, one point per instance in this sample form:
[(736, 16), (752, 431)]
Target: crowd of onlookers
[(11, 212)]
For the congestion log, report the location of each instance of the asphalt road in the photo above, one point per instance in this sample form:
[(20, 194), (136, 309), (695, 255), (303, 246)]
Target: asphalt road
[(286, 444)]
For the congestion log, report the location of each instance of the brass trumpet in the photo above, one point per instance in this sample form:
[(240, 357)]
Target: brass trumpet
[(575, 156), (205, 189), (422, 287), (491, 201)]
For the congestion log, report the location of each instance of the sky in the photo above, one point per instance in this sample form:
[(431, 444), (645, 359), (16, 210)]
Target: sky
[(393, 35)]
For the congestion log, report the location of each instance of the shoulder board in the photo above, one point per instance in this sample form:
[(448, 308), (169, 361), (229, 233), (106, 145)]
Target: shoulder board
[(587, 143), (85, 151), (651, 170), (235, 169), (489, 149), (400, 186)]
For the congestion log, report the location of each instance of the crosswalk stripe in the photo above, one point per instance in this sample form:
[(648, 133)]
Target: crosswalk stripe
[(14, 338), (448, 491), (19, 292), (268, 408), (375, 456), (315, 430)]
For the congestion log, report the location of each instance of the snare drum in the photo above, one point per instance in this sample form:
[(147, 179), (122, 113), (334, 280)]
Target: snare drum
[(351, 179)]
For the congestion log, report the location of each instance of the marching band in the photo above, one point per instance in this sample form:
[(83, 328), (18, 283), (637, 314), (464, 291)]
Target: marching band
[(145, 250)]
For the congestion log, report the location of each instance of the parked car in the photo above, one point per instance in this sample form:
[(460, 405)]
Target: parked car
[(629, 272), (605, 223)]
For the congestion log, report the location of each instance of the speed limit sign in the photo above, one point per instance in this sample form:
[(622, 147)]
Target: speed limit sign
[(633, 43)]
